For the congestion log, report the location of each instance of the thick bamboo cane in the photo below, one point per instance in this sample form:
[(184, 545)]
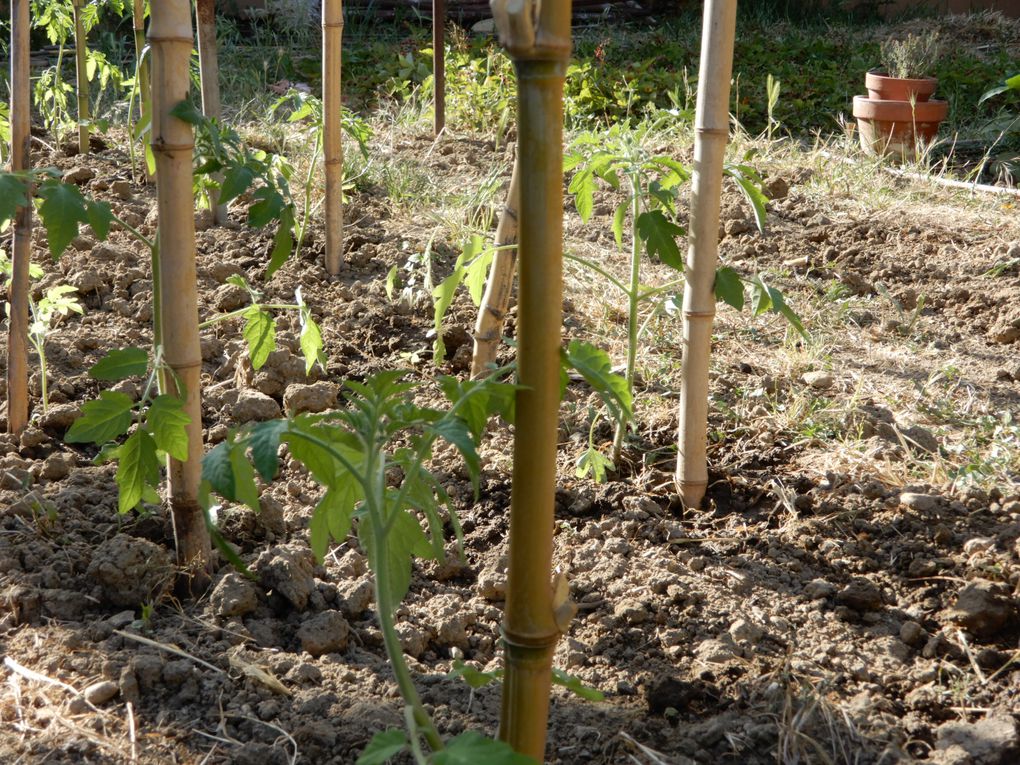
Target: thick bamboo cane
[(21, 254), (209, 70), (81, 70), (439, 64), (532, 624), (710, 137), (142, 69), (500, 285), (173, 143), (332, 148)]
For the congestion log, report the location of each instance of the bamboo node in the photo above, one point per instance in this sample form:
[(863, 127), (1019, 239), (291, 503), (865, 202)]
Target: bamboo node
[(712, 131), (690, 314), (167, 148), (333, 25), (333, 162), (171, 38)]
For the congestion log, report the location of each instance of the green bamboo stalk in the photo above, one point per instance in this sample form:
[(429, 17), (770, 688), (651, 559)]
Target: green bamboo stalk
[(21, 251), (531, 625)]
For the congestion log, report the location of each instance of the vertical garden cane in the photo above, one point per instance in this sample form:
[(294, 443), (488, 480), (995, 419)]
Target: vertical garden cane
[(141, 70), (439, 64), (209, 70), (332, 149), (21, 254), (711, 133), (500, 284), (81, 71), (173, 143), (534, 618)]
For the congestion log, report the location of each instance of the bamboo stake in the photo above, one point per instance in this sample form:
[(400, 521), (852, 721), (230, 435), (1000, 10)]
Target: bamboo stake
[(80, 51), (21, 254), (710, 137), (142, 71), (332, 148), (171, 42), (534, 619), (439, 64), (209, 71), (498, 288)]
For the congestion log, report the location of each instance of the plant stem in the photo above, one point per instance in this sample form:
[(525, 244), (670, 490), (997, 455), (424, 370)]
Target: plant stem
[(241, 311), (305, 208), (599, 270), (633, 299)]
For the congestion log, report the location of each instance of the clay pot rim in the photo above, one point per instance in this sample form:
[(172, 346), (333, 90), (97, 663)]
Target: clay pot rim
[(879, 75), (900, 111)]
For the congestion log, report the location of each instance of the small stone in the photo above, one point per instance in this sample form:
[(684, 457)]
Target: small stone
[(234, 595), (101, 692), (252, 406), (289, 571), (819, 380), (57, 466), (130, 570), (355, 597), (978, 545), (33, 437), (412, 639), (318, 397), (920, 502), (819, 588), (59, 418), (326, 632), (632, 611), (992, 741), (714, 651), (860, 595), (128, 686), (669, 693), (79, 175), (230, 297), (122, 189), (912, 633), (698, 563), (983, 608), (743, 631)]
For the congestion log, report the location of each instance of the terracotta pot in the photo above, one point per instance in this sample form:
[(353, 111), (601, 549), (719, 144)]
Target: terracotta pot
[(881, 87), (892, 128)]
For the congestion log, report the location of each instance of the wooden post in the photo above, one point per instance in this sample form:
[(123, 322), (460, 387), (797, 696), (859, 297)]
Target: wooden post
[(711, 133), (21, 251), (332, 148), (439, 64), (209, 69), (500, 285), (81, 71), (534, 619), (171, 43)]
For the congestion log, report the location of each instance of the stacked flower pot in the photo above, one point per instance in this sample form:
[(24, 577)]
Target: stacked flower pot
[(898, 115)]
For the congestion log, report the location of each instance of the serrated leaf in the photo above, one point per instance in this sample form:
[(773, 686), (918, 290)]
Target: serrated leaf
[(260, 335), (595, 367), (13, 194), (659, 235), (264, 441), (476, 273), (761, 301), (332, 516), (137, 467), (475, 678), (455, 431), (62, 209), (269, 207), (729, 287), (121, 364), (283, 244), (595, 462), (169, 423), (237, 179), (747, 179), (472, 748), (100, 216), (383, 747), (310, 341), (575, 686), (403, 543), (244, 479), (582, 186), (102, 420), (618, 219), (217, 471), (188, 112)]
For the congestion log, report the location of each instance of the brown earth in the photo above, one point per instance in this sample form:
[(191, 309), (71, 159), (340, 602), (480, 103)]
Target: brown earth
[(843, 597)]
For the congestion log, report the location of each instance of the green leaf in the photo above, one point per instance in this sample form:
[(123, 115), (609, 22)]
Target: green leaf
[(310, 340), (404, 541), (729, 288), (244, 479), (455, 431), (660, 235), (102, 420), (217, 470), (237, 179), (13, 194), (269, 207), (595, 462), (472, 748), (62, 209), (283, 244), (582, 186), (100, 216), (383, 747), (476, 273), (779, 305), (750, 185), (121, 364), (188, 112), (761, 301), (575, 686), (595, 367), (475, 678), (137, 467), (168, 421), (260, 335), (265, 446), (331, 518), (618, 219)]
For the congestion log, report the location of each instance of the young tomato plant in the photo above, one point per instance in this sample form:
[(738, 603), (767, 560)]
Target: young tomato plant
[(372, 459), (47, 312)]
